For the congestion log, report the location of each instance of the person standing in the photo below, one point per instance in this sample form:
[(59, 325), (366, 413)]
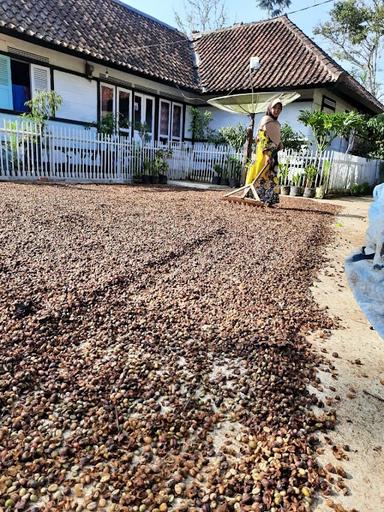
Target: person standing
[(268, 143)]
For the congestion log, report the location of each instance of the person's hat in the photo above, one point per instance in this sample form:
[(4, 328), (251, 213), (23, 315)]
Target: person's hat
[(276, 101)]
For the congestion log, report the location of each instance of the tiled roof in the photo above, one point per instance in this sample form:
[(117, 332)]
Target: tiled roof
[(289, 59), (107, 30), (114, 33)]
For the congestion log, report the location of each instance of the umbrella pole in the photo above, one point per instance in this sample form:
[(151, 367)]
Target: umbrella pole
[(247, 153)]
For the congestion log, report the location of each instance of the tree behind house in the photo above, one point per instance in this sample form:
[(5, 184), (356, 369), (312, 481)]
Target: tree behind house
[(356, 34), (274, 7), (201, 15)]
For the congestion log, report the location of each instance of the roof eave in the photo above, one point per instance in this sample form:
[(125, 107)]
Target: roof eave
[(90, 57), (265, 89), (367, 101)]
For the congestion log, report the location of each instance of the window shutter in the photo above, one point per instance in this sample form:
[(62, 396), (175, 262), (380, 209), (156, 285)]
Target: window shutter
[(6, 100), (40, 79)]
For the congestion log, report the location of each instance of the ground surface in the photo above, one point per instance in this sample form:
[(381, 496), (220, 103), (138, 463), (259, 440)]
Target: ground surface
[(358, 378), (153, 353)]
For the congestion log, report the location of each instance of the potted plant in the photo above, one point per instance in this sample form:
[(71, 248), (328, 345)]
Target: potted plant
[(283, 176), (234, 171), (295, 187), (216, 178), (147, 172), (322, 188), (310, 175), (161, 166), (225, 177)]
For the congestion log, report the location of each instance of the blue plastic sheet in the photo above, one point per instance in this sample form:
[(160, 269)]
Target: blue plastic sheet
[(367, 285), (366, 276)]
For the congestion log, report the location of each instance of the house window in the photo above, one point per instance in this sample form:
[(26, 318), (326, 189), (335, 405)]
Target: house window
[(21, 85), (116, 101), (144, 113), (21, 81), (149, 111), (328, 105), (177, 114), (138, 109), (107, 100), (40, 79), (124, 109), (170, 121), (164, 120)]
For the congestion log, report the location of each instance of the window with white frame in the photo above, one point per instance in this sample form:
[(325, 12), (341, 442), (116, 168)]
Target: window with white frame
[(144, 115), (124, 109), (116, 102), (177, 121), (20, 81), (107, 100), (164, 120), (170, 121)]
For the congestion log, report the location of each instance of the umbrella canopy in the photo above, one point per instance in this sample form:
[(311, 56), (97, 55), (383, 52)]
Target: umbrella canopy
[(251, 103)]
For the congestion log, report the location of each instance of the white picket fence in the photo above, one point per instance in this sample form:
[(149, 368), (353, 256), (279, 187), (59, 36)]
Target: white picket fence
[(64, 153), (344, 170), (348, 170), (72, 154)]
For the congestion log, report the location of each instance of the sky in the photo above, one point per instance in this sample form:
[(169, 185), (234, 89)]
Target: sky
[(240, 10), (247, 11)]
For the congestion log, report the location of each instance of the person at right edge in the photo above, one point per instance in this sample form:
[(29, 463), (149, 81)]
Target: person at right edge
[(268, 143)]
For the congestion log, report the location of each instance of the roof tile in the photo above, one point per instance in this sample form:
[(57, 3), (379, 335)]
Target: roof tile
[(122, 36), (289, 59), (107, 30)]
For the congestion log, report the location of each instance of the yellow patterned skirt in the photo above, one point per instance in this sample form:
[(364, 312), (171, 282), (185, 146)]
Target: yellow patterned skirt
[(265, 163)]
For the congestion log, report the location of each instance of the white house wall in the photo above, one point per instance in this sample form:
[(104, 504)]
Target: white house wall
[(79, 97), (222, 118), (338, 144), (80, 93), (289, 115), (76, 64), (341, 104)]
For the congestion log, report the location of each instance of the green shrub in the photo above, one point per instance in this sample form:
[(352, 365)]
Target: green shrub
[(234, 136), (361, 189), (291, 139), (310, 174)]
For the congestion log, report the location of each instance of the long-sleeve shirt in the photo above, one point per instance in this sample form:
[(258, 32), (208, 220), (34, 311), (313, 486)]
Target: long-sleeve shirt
[(272, 129)]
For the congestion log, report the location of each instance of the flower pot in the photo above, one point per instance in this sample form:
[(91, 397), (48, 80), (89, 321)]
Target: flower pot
[(234, 183), (163, 180), (309, 192), (284, 190), (146, 178), (295, 191), (225, 181), (216, 180), (320, 192), (155, 178)]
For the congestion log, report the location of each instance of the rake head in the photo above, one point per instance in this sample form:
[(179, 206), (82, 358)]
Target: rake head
[(246, 201)]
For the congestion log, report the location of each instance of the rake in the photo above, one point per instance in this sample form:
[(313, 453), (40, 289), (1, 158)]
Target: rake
[(239, 195)]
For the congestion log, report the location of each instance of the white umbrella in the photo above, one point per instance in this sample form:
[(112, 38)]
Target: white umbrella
[(251, 103)]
